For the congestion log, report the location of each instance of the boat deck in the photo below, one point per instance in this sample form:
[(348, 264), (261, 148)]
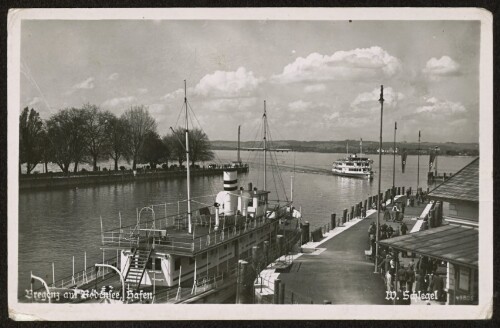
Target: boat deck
[(170, 235)]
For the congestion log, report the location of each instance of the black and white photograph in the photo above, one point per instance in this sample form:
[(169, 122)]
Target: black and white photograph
[(250, 163)]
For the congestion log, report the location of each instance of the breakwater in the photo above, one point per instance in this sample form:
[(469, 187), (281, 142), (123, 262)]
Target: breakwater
[(59, 180)]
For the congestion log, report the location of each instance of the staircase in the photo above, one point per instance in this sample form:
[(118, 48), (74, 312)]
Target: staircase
[(137, 268)]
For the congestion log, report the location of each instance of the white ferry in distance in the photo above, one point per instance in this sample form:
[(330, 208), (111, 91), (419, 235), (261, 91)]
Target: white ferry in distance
[(353, 165)]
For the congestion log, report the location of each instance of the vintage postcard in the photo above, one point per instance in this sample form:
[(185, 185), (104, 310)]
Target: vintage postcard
[(286, 163)]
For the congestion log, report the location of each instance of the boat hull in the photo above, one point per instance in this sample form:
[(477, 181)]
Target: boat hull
[(354, 175)]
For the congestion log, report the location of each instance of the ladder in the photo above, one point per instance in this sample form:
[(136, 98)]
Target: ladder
[(137, 267)]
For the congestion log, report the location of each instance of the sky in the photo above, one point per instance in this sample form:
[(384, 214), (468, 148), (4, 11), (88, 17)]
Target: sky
[(320, 79)]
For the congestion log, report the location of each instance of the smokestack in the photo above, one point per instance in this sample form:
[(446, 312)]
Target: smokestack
[(230, 180)]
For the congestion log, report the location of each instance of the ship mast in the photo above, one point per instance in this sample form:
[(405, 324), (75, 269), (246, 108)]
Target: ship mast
[(264, 118), (361, 147), (239, 158), (190, 228)]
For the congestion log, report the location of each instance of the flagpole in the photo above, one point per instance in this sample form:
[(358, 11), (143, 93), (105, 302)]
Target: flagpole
[(394, 158), (381, 100), (418, 161)]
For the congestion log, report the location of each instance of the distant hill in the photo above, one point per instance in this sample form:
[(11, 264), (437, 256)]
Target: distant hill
[(369, 147)]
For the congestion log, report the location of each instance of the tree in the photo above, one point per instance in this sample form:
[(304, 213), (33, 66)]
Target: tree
[(96, 126), (140, 123), (47, 152), (65, 131), (30, 138), (118, 135), (199, 147), (154, 151), (176, 143)]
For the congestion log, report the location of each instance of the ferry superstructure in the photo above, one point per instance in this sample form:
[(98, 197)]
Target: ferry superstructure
[(353, 167)]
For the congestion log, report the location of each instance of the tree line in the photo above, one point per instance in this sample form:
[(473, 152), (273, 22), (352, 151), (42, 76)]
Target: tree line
[(89, 134)]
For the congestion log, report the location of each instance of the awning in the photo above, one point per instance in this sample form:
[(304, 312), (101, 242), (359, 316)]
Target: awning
[(452, 243)]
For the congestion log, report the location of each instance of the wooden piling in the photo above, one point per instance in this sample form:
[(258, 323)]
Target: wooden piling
[(241, 291), (304, 230), (344, 216), (276, 298), (333, 221), (282, 293)]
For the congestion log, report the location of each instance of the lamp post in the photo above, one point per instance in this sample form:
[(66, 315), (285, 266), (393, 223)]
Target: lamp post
[(381, 100)]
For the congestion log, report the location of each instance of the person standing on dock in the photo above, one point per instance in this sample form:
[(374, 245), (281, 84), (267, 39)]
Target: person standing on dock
[(403, 228), (410, 279)]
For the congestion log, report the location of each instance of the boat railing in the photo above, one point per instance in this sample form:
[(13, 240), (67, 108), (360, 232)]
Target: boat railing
[(161, 232), (85, 276), (180, 244), (203, 283)]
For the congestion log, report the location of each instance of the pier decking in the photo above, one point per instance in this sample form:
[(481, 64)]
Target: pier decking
[(335, 269)]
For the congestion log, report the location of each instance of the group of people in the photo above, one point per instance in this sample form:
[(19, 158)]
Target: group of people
[(419, 277), (420, 197), (385, 231)]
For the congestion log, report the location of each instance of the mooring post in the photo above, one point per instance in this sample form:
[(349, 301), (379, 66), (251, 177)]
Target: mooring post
[(333, 221), (276, 298), (344, 216)]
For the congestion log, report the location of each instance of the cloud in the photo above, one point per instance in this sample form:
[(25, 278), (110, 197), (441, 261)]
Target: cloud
[(113, 76), (360, 63), (119, 102), (369, 100), (437, 106), (34, 101), (223, 84), (299, 106), (173, 95), (444, 66), (332, 116), (315, 88), (87, 84), (228, 105), (142, 91)]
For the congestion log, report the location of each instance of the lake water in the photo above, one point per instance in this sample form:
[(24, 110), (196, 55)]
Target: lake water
[(55, 225)]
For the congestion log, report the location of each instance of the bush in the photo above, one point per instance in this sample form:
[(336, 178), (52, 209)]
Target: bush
[(122, 168), (164, 166), (105, 169), (83, 170)]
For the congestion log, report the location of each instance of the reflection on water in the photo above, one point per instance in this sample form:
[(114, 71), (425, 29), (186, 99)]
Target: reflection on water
[(55, 225)]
